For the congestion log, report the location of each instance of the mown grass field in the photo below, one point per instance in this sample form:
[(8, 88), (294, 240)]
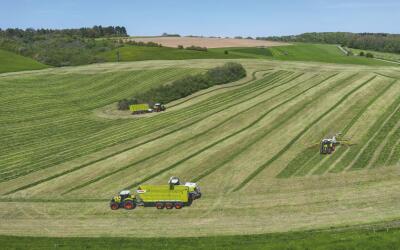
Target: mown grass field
[(246, 144), (10, 62)]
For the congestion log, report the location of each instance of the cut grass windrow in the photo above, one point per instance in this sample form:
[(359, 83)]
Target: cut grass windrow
[(376, 140), (395, 155), (239, 150), (172, 147), (272, 78), (352, 152), (298, 136), (388, 149), (203, 149), (117, 152), (293, 166), (219, 88)]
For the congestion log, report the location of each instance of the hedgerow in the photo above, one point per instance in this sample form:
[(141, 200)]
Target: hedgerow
[(188, 85)]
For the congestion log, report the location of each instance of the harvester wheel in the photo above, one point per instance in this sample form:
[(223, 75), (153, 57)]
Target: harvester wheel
[(114, 206), (129, 205), (169, 205), (159, 205), (178, 205)]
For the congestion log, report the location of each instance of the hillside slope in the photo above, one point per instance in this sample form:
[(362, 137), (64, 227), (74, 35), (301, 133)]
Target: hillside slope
[(10, 62), (247, 145)]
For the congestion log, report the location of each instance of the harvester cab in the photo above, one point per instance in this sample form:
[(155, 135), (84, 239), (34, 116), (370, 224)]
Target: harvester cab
[(194, 189), (158, 107), (327, 146)]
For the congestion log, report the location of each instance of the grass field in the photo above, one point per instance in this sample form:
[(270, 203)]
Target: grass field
[(344, 239), (246, 144), (10, 62), (296, 52), (303, 52), (381, 55)]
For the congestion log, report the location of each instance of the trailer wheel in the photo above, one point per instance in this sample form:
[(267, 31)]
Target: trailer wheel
[(169, 205), (178, 205), (159, 205), (114, 206), (129, 205)]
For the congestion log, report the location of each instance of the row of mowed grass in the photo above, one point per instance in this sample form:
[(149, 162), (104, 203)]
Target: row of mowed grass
[(347, 239), (10, 62)]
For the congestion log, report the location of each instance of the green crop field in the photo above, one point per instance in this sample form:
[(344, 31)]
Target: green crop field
[(10, 62), (302, 52), (297, 52), (371, 238), (139, 53), (66, 150), (380, 55)]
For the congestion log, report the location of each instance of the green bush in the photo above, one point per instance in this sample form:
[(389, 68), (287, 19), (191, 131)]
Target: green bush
[(188, 85), (362, 53), (369, 55), (197, 48)]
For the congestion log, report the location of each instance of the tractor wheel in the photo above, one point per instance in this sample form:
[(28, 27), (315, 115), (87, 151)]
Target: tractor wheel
[(199, 196), (129, 205), (159, 205), (169, 205), (178, 205), (114, 206)]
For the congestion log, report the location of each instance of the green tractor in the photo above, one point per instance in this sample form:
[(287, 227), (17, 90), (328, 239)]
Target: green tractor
[(124, 200), (173, 195)]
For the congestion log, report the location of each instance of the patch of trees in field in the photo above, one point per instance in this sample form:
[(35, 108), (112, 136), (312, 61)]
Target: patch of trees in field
[(188, 85), (366, 41), (62, 47)]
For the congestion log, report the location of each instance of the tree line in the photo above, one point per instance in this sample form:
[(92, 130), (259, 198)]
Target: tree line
[(366, 41), (85, 32), (64, 47), (187, 85)]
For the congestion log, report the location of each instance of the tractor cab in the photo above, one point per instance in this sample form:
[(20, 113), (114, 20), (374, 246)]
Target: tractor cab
[(124, 194), (124, 199), (158, 107)]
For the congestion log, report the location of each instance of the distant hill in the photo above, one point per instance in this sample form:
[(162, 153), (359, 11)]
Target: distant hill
[(10, 62)]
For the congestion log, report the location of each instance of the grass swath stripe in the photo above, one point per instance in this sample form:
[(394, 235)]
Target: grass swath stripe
[(298, 136)]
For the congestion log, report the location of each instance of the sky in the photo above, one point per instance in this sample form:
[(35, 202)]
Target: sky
[(206, 17)]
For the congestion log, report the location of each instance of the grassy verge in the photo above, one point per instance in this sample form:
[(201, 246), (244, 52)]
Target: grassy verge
[(344, 239)]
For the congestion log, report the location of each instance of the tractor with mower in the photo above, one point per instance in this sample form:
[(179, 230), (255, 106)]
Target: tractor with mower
[(328, 145), (173, 195)]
